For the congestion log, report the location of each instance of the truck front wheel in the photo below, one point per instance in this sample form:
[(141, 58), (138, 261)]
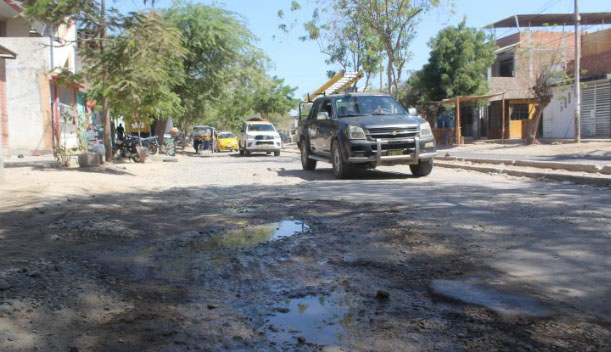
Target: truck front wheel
[(340, 168), (423, 168)]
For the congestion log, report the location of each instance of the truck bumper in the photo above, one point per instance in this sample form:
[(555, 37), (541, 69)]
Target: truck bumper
[(391, 152)]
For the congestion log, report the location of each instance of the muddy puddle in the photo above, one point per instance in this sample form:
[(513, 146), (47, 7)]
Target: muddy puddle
[(251, 235), (321, 320)]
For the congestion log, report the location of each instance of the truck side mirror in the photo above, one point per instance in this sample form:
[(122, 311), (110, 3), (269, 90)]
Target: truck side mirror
[(323, 115), (412, 112)]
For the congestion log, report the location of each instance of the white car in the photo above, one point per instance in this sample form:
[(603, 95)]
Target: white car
[(259, 136)]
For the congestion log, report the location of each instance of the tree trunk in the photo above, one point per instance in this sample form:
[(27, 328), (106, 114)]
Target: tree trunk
[(139, 127), (533, 126), (105, 111)]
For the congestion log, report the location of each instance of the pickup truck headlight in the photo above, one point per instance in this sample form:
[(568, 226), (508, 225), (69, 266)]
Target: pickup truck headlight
[(355, 132), (425, 130)]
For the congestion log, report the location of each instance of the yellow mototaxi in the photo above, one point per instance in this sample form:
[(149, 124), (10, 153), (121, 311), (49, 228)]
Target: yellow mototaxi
[(204, 138)]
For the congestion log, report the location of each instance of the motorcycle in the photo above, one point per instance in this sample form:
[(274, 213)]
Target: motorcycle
[(126, 148), (151, 143)]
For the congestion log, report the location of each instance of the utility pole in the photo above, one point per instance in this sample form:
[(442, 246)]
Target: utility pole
[(577, 75)]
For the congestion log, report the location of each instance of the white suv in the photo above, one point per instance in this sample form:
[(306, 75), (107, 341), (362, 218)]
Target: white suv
[(259, 136)]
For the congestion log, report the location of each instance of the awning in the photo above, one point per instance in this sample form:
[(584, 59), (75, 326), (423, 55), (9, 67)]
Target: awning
[(551, 19), (6, 53), (468, 98), (336, 84)]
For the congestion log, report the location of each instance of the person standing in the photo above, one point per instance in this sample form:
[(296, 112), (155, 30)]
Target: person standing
[(120, 132)]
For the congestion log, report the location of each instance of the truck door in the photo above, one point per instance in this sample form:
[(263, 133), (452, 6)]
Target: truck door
[(311, 127), (326, 128)]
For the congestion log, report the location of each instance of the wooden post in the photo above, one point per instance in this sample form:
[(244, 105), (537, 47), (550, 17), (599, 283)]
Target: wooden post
[(457, 131), (503, 120)]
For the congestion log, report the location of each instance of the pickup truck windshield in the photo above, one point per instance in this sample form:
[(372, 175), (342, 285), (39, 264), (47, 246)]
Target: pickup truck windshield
[(261, 127), (367, 105)]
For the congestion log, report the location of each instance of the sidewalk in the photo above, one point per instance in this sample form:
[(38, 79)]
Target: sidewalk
[(586, 163), (598, 153)]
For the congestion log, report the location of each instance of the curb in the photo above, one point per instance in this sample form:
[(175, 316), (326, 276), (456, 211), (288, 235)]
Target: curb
[(553, 165), (582, 180)]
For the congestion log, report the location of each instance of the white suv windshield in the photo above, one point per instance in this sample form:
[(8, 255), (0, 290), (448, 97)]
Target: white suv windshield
[(261, 127)]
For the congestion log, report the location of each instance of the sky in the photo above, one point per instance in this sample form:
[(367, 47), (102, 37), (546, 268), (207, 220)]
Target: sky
[(301, 64)]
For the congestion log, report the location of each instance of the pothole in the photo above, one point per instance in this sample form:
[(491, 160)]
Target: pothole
[(490, 297), (252, 235), (322, 320)]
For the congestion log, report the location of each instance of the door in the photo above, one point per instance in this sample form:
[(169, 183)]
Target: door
[(326, 128), (311, 127)]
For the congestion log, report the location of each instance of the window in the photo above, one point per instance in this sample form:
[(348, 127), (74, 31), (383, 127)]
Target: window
[(367, 105), (519, 112), (326, 107), (261, 127), (2, 28), (504, 65)]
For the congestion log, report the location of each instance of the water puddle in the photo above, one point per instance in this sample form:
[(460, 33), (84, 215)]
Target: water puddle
[(323, 320), (251, 235), (490, 297)]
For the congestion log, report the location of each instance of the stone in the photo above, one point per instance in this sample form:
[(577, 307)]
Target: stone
[(89, 160), (34, 274), (4, 285), (282, 310), (382, 295), (301, 339), (212, 306)]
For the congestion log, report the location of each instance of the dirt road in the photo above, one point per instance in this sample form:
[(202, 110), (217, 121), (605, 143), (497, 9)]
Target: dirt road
[(237, 254)]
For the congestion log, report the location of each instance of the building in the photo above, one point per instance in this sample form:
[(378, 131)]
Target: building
[(523, 55), (559, 115), (41, 112)]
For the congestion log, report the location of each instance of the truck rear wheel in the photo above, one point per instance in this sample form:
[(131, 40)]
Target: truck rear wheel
[(423, 168), (306, 162)]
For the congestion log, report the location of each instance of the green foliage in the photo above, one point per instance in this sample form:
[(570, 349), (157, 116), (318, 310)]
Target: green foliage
[(220, 56), (274, 98), (458, 63), (139, 68)]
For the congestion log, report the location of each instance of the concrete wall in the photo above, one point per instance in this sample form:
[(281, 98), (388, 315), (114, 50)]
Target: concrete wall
[(559, 115), (17, 27), (23, 86)]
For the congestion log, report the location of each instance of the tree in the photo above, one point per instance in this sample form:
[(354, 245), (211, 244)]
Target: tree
[(394, 22), (360, 33), (458, 63), (548, 76), (140, 68), (220, 64), (340, 34), (274, 98), (93, 18)]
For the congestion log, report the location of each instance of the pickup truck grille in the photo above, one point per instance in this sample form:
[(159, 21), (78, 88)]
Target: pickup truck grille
[(389, 133), (259, 138)]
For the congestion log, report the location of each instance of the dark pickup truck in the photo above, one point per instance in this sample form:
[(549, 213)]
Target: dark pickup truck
[(364, 130)]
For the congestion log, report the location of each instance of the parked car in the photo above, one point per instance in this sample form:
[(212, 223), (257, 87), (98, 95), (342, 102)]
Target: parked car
[(226, 141), (259, 136), (365, 130)]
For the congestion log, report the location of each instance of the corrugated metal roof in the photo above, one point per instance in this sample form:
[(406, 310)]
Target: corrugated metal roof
[(552, 19)]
